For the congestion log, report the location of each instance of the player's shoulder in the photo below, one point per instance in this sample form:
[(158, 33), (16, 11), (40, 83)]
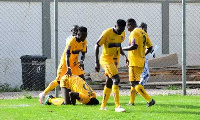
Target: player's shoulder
[(123, 33), (137, 30), (71, 40), (108, 30), (69, 37)]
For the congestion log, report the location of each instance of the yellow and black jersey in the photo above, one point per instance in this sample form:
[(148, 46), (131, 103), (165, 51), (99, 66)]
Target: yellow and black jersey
[(140, 37), (74, 48), (77, 84), (111, 43)]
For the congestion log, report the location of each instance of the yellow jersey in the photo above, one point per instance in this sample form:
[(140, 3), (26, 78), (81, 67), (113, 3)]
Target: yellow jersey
[(77, 84), (140, 37), (111, 45), (74, 48)]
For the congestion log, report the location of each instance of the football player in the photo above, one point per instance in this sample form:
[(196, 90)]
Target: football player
[(138, 42), (69, 62), (111, 40), (145, 74), (74, 88)]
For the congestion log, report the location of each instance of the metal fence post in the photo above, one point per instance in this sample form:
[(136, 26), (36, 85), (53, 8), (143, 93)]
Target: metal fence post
[(56, 38), (184, 48)]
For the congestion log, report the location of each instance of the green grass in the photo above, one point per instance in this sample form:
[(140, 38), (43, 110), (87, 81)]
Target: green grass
[(173, 107)]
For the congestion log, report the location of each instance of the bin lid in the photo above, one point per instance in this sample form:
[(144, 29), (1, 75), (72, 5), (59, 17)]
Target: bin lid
[(30, 58)]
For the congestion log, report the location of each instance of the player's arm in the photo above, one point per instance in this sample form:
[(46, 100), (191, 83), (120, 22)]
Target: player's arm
[(84, 50), (83, 56), (68, 63), (149, 46), (97, 65), (133, 43), (100, 42), (124, 55), (149, 50), (65, 94), (82, 59), (131, 47), (68, 54)]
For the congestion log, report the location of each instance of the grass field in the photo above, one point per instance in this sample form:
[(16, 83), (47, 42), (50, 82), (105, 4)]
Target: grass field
[(173, 107)]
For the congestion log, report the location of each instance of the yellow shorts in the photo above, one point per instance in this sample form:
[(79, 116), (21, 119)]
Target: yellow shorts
[(64, 82), (62, 69), (84, 98), (135, 73), (110, 69), (77, 70)]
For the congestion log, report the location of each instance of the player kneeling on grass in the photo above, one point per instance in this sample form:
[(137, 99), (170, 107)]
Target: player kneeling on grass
[(74, 88)]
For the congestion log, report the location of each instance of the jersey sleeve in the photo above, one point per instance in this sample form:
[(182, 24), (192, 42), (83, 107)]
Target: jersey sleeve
[(69, 46), (103, 38), (148, 43), (68, 38), (134, 38)]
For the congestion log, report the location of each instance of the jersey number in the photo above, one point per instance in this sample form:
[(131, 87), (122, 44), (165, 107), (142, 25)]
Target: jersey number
[(89, 90), (144, 40)]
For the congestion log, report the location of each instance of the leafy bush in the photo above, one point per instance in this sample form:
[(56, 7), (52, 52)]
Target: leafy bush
[(6, 88)]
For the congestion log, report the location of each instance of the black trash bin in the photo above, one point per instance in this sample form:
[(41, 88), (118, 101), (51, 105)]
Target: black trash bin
[(33, 72)]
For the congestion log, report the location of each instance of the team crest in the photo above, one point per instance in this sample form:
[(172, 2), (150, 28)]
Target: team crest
[(83, 44)]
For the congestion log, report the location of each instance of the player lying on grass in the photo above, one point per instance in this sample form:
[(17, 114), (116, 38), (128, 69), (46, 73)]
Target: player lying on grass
[(74, 88), (69, 59)]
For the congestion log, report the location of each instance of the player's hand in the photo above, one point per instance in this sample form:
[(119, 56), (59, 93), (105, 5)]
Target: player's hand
[(81, 64), (154, 55), (127, 62), (97, 67), (69, 71)]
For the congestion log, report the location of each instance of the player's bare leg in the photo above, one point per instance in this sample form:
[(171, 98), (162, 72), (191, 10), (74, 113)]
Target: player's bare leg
[(73, 97), (65, 94)]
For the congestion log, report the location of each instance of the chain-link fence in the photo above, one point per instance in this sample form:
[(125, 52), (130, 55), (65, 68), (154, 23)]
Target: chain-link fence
[(27, 28)]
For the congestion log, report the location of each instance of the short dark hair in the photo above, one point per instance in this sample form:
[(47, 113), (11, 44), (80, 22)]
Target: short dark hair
[(93, 101), (75, 28), (121, 22), (82, 29), (131, 20), (143, 25)]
